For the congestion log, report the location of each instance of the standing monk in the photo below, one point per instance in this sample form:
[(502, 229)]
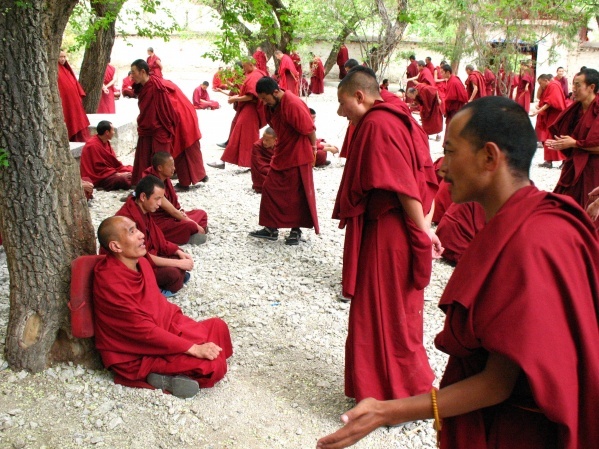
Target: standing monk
[(168, 122), (576, 133), (107, 105), (412, 71), (154, 63), (297, 63), (260, 59), (387, 252), (490, 80), (429, 64), (288, 74), (475, 84), (288, 197), (342, 57), (427, 97), (455, 94), (71, 94), (551, 105), (525, 86), (424, 75), (563, 81), (317, 78)]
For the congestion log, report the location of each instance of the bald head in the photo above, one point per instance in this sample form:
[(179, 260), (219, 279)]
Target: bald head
[(362, 79), (271, 132), (110, 230)]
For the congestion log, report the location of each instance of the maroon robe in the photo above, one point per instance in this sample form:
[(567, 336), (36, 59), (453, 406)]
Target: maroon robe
[(107, 105), (168, 278), (320, 157), (71, 94), (552, 96), (217, 82), (342, 58), (245, 128), (542, 316), (580, 172), (458, 226), (389, 97), (411, 72), (431, 68), (386, 259), (127, 88), (202, 94), (260, 59), (317, 78), (430, 109), (297, 63), (261, 157), (138, 332), (288, 197), (523, 94), (476, 79), (100, 164), (563, 81), (347, 140), (288, 75), (443, 196), (489, 81), (425, 76), (153, 64), (455, 98), (176, 231)]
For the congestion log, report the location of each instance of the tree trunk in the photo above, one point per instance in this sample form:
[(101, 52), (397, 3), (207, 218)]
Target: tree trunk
[(460, 42), (378, 56), (348, 28), (97, 54), (45, 220)]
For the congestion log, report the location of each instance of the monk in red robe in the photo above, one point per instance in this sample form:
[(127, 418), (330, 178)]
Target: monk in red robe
[(457, 228), (71, 94), (576, 132), (412, 71), (178, 226), (427, 97), (322, 147), (201, 98), (127, 86), (288, 197), (429, 64), (168, 122), (317, 78), (387, 253), (154, 63), (297, 63), (107, 105), (342, 58), (170, 264), (99, 163), (143, 338), (455, 94), (563, 81), (262, 153), (525, 86), (441, 83), (425, 76), (475, 84), (443, 196), (288, 74), (490, 80), (218, 85), (523, 369), (551, 104), (260, 58)]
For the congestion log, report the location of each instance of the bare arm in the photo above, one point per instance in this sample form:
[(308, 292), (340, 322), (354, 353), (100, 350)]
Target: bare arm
[(474, 91), (241, 99)]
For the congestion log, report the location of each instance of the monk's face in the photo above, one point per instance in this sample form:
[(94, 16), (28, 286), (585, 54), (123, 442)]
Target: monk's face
[(581, 91), (446, 75), (204, 87), (151, 203), (269, 99), (351, 105), (130, 243), (139, 76), (268, 140), (62, 58), (543, 83), (167, 169), (560, 73)]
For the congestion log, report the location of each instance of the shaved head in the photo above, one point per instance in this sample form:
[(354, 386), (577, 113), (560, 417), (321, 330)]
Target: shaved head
[(110, 230), (160, 158), (270, 132), (360, 78)]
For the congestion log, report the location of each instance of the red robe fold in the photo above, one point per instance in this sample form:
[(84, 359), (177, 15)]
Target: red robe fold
[(386, 258), (347, 140), (138, 332), (261, 157), (522, 95), (297, 63), (288, 75), (425, 76), (153, 64), (176, 231), (457, 228), (489, 77), (552, 96), (71, 94), (563, 82), (455, 98), (127, 88), (411, 72), (107, 105), (100, 164), (288, 197), (245, 128), (431, 68), (476, 79), (216, 82), (389, 97), (317, 78), (541, 315), (260, 59), (201, 99), (580, 172), (430, 109), (342, 58)]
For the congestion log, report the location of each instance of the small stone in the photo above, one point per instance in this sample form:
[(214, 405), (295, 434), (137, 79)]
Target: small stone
[(299, 431), (97, 439), (114, 423), (18, 444)]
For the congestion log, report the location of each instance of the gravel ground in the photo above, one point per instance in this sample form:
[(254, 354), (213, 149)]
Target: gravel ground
[(284, 388)]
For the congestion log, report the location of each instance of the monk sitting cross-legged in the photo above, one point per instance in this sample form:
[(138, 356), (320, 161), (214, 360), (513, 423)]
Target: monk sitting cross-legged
[(142, 337)]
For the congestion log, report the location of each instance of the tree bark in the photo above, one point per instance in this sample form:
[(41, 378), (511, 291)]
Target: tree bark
[(347, 29), (45, 220), (378, 56)]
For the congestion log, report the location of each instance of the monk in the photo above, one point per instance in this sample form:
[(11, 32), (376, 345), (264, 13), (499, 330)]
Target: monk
[(201, 98), (168, 122), (99, 162), (350, 64), (475, 84), (288, 197), (107, 105), (322, 147), (178, 226), (260, 58), (576, 134), (490, 80), (388, 242), (384, 85), (143, 338), (523, 369), (563, 81), (427, 97), (262, 153), (412, 71), (154, 63), (249, 118), (455, 94), (297, 63), (317, 76), (71, 94), (441, 82), (552, 102), (425, 76), (525, 86), (288, 74), (171, 265), (428, 62), (218, 85), (127, 87), (342, 57)]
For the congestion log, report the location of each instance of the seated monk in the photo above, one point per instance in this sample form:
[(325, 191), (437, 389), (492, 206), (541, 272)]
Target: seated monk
[(457, 228), (99, 162), (178, 226), (170, 264), (201, 98), (322, 148), (262, 152), (143, 338), (127, 87)]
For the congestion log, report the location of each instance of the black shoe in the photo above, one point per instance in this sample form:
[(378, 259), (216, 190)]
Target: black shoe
[(546, 164), (204, 179), (215, 164), (223, 145), (180, 386), (180, 188), (294, 237), (266, 233)]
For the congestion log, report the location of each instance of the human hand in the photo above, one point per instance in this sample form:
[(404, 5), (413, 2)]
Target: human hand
[(593, 210), (208, 351), (232, 99), (437, 246)]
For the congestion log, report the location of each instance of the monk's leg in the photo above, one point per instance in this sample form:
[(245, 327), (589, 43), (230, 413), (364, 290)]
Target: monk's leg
[(114, 182), (169, 278), (190, 166)]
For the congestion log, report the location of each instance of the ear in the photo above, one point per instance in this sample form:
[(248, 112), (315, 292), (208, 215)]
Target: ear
[(114, 246), (492, 156), (359, 96), (142, 197)]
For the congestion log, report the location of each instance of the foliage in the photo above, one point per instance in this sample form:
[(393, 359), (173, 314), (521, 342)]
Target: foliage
[(3, 157)]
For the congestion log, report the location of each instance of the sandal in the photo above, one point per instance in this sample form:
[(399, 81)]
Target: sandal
[(294, 237), (266, 233)]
